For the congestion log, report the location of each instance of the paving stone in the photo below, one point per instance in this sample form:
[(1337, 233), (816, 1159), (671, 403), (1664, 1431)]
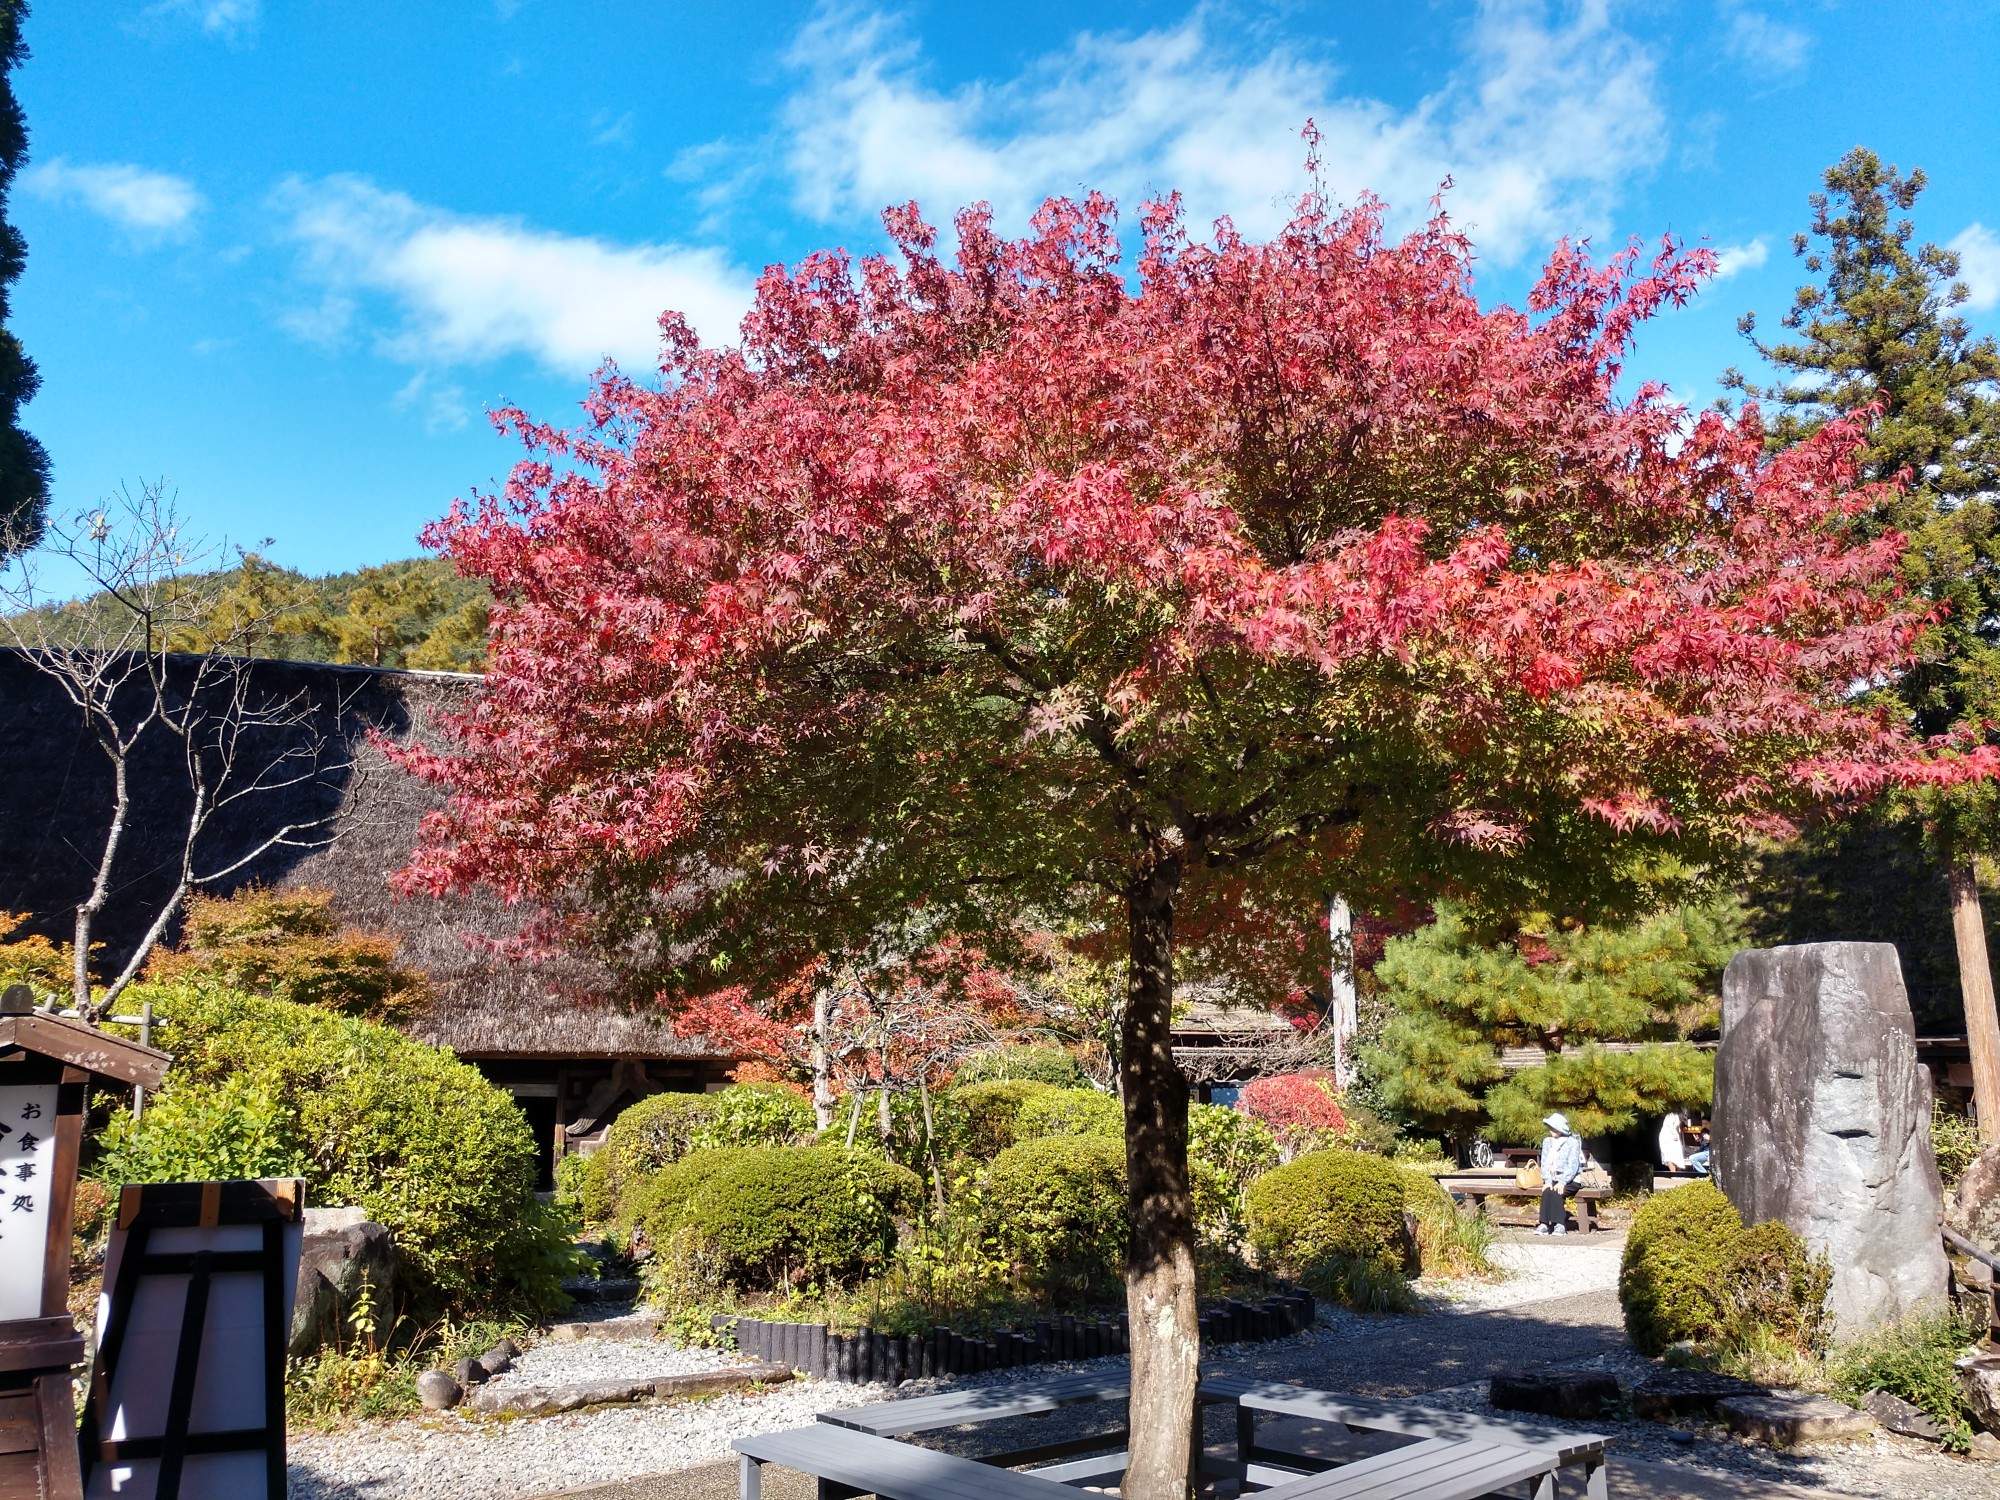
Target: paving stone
[(1576, 1395), (1671, 1392), (634, 1326), (1786, 1419), (1898, 1415)]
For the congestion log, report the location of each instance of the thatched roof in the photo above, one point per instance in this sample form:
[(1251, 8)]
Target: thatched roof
[(55, 800)]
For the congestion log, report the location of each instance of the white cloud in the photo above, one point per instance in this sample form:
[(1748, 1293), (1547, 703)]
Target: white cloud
[(1978, 251), (1762, 43), (441, 403), (472, 289), (1732, 259), (1539, 127), (144, 201), (229, 19)]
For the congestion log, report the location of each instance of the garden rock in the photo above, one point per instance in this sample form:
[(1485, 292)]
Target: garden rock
[(1985, 1447), (1822, 1120), (634, 1326), (469, 1372), (1787, 1419), (500, 1358), (543, 1401), (438, 1391), (1571, 1394), (1975, 1207), (341, 1250), (1979, 1383), (1901, 1416), (1669, 1393)]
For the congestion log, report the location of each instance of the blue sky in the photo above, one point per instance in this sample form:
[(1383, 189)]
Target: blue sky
[(285, 253)]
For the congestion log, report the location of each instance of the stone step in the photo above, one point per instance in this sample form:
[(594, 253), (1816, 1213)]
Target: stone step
[(547, 1400), (1788, 1419)]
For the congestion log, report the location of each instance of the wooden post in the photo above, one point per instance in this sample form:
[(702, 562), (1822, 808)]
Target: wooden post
[(1975, 982)]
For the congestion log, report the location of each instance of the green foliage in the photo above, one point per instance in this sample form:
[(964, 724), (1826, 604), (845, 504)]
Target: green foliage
[(1360, 1282), (1066, 1111), (1460, 999), (199, 1132), (1331, 1206), (1451, 1241), (1954, 1141), (1057, 1207), (1912, 1358), (663, 1128), (1034, 1064), (985, 1116), (33, 960), (782, 1215), (289, 945), (24, 464), (418, 1139), (1227, 1150), (1692, 1272)]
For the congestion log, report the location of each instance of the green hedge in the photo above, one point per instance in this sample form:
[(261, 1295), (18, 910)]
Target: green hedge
[(782, 1215), (1691, 1271), (1057, 1208), (662, 1128), (419, 1140), (1331, 1204), (1050, 1065), (1069, 1112), (983, 1118)]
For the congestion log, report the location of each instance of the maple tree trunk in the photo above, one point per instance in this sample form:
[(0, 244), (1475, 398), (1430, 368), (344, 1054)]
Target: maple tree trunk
[(1159, 1266), (1975, 983)]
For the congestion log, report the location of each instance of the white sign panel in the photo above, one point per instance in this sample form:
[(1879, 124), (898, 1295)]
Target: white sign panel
[(27, 1167)]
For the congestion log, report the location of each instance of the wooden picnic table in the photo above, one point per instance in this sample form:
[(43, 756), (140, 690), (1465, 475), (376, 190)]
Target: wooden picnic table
[(1501, 1445), (993, 1403)]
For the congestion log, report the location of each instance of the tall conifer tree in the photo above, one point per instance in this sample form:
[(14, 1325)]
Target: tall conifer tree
[(24, 465), (1880, 327)]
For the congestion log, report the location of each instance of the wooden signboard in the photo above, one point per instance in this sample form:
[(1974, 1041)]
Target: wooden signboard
[(187, 1395), (46, 1063)]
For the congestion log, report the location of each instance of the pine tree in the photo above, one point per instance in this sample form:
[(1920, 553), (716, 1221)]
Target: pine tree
[(24, 465), (1880, 328), (1611, 1008)]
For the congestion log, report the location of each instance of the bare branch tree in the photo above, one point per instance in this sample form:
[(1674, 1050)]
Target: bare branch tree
[(117, 607)]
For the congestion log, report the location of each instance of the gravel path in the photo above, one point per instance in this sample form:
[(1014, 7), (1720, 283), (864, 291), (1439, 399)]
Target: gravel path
[(1559, 1306)]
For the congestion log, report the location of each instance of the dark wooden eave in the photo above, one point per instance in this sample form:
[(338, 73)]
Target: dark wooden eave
[(85, 1047)]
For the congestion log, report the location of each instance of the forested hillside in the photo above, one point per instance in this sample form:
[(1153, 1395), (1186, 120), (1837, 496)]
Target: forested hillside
[(418, 614)]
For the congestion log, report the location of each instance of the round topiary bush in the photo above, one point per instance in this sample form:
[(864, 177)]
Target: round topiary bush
[(1331, 1204), (1050, 1065), (1677, 1254), (1057, 1207), (419, 1140), (779, 1216), (1061, 1112), (984, 1117), (662, 1128)]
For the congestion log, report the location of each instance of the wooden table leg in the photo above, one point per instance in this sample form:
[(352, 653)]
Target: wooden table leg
[(749, 1478)]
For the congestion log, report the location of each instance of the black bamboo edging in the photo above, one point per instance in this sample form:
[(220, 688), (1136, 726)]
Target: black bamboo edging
[(868, 1356)]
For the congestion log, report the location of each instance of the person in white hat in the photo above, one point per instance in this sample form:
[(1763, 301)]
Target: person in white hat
[(1562, 1164)]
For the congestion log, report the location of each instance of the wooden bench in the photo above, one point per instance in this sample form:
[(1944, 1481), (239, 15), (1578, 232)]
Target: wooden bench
[(1479, 1189), (1551, 1448), (848, 1463)]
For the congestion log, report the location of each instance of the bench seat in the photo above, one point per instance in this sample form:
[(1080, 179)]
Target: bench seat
[(848, 1463)]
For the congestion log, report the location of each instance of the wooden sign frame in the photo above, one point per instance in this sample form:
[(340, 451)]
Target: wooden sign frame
[(189, 1235)]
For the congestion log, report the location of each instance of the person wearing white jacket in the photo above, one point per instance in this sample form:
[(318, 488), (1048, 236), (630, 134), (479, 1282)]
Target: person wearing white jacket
[(1562, 1164)]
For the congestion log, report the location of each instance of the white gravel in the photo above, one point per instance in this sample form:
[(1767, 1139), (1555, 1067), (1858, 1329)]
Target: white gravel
[(608, 1359), (452, 1456), (1536, 1269)]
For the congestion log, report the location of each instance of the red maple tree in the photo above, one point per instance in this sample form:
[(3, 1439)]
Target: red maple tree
[(1172, 599)]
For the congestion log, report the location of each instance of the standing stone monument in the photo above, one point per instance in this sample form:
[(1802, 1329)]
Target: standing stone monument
[(1822, 1119)]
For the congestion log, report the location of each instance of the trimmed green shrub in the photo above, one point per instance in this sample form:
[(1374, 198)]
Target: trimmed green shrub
[(1670, 1281), (200, 1132), (782, 1215), (1227, 1150), (419, 1140), (1050, 1065), (662, 1128), (1774, 1283), (1451, 1241), (1331, 1203), (1057, 1208), (985, 1116), (1061, 1112)]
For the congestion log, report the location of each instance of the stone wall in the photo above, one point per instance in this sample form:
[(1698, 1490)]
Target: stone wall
[(1822, 1119)]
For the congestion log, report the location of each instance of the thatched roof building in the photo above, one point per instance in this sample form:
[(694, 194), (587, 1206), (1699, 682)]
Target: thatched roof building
[(540, 1028)]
